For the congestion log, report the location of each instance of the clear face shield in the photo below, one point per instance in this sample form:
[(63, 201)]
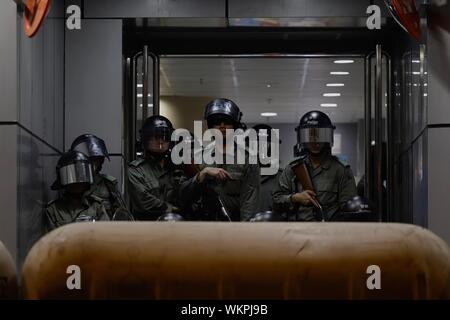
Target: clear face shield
[(315, 135), (78, 172), (157, 140)]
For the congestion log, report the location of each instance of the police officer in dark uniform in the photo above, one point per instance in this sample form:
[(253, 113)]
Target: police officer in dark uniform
[(153, 180), (227, 191), (74, 177), (332, 179), (105, 186)]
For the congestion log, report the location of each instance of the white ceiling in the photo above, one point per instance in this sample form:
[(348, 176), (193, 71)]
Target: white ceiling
[(297, 85)]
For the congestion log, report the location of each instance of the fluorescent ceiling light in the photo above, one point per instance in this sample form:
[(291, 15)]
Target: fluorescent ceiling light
[(269, 85), (329, 105), (339, 73), (416, 61), (335, 84), (416, 73), (140, 85), (343, 61), (140, 95), (150, 105), (331, 94), (269, 114), (425, 94)]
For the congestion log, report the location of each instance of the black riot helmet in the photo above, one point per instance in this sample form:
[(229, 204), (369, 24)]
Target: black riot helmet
[(357, 204), (356, 209), (222, 110), (156, 126), (73, 167), (90, 145), (170, 217), (314, 127), (267, 216)]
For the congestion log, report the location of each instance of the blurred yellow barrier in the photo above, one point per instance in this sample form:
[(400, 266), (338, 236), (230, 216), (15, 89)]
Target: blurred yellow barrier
[(203, 260)]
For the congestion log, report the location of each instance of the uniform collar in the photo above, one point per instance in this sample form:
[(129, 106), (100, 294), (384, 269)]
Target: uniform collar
[(98, 178), (325, 162), (76, 201), (154, 163)]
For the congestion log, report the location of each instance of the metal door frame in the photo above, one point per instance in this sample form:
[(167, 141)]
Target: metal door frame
[(374, 187)]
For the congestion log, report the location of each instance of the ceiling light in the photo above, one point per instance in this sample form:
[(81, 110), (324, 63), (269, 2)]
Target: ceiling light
[(269, 86), (339, 73), (331, 94), (140, 85), (140, 95), (335, 85), (150, 105), (343, 61), (416, 73), (416, 61), (269, 114), (425, 94), (329, 105)]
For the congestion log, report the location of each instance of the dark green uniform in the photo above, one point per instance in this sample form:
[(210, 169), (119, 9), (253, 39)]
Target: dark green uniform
[(240, 195), (268, 185), (334, 185), (66, 210), (153, 190), (105, 188)]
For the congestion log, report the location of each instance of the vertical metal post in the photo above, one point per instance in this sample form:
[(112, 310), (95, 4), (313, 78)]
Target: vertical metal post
[(390, 140), (145, 84), (368, 129), (156, 109), (127, 100), (378, 131), (422, 111), (134, 109)]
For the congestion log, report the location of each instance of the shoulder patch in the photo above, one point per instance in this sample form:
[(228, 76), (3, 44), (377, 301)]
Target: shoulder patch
[(342, 161), (137, 162), (109, 178)]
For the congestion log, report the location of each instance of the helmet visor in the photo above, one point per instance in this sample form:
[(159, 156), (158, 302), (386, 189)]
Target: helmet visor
[(78, 172), (316, 135), (218, 119), (163, 133)]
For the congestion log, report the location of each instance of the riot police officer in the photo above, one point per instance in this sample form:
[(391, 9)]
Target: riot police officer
[(228, 191), (332, 179), (268, 182), (153, 180), (74, 178), (104, 186)]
